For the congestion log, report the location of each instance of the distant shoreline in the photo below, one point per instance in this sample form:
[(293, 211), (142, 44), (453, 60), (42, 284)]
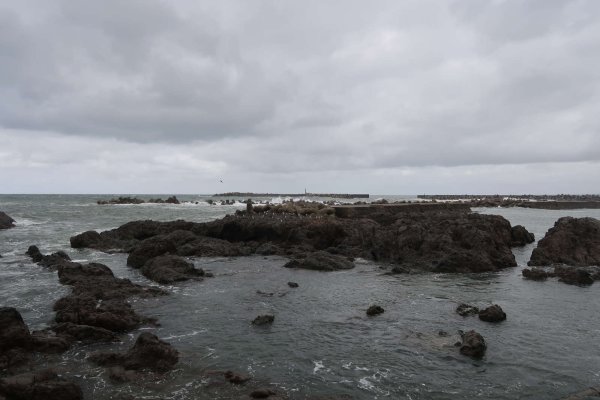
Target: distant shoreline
[(332, 195)]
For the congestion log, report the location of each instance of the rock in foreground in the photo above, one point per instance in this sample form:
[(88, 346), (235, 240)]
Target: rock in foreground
[(473, 345), (6, 221), (43, 385), (148, 353), (492, 314), (572, 241)]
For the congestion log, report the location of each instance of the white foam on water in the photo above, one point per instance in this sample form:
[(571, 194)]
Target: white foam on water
[(318, 366)]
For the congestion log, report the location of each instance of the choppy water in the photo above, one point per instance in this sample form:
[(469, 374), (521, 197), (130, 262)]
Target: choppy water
[(321, 341)]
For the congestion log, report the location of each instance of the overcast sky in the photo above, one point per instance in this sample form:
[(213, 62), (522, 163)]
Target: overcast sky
[(387, 97)]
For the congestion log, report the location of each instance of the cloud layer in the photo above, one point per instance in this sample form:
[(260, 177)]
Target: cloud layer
[(271, 94)]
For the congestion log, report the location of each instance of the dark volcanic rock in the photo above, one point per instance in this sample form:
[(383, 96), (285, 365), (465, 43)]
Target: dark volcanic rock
[(573, 275), (149, 249), (35, 254), (6, 221), (267, 249), (466, 309), (148, 353), (97, 300), (375, 310), (114, 315), (84, 333), (292, 284), (473, 345), (535, 274), (13, 331), (86, 239), (16, 342), (236, 377), (169, 269), (51, 261), (43, 385), (493, 313), (321, 261), (263, 319), (572, 241), (441, 239), (521, 236), (262, 393)]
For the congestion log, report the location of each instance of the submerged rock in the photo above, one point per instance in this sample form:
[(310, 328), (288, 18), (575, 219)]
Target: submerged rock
[(466, 309), (375, 310), (473, 344), (572, 241), (263, 319), (148, 353), (6, 221), (535, 274), (573, 275), (42, 385), (493, 313)]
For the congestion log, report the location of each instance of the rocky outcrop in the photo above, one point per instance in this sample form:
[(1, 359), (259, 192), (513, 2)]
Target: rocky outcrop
[(521, 236), (6, 221), (375, 310), (573, 275), (473, 345), (97, 299), (493, 313), (580, 276), (440, 239), (321, 261), (17, 342), (572, 241), (170, 269), (121, 200), (148, 353), (42, 385)]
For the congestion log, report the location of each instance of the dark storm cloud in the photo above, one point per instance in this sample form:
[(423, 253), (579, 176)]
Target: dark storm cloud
[(307, 86)]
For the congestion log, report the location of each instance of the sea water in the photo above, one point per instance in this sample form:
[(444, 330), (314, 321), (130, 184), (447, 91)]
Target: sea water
[(321, 342)]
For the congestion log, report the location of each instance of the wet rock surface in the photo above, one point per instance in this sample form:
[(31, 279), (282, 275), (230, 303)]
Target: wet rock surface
[(321, 261), (375, 310), (493, 313), (148, 353), (535, 274), (42, 385), (521, 236), (266, 319), (572, 241), (6, 221), (473, 344), (97, 299), (441, 239), (17, 343), (169, 269)]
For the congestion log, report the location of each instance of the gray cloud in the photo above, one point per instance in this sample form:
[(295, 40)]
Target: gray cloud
[(236, 87)]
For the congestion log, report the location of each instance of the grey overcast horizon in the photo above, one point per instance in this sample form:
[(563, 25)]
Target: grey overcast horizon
[(393, 97)]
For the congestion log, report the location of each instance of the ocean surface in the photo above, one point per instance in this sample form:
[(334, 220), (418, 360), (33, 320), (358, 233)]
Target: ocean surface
[(321, 341)]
